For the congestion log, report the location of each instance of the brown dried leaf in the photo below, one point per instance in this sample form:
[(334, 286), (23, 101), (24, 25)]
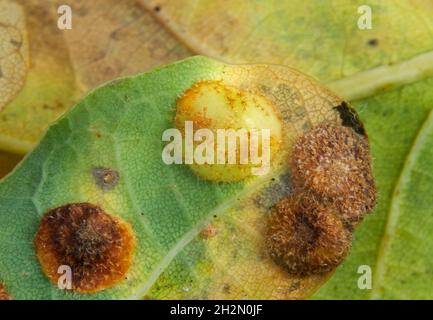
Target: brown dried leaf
[(112, 38), (108, 39), (14, 53)]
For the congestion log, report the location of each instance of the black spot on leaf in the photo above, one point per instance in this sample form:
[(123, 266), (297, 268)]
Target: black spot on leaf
[(373, 42), (350, 118)]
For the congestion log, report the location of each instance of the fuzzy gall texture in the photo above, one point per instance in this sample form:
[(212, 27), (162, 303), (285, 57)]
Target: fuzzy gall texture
[(3, 293), (334, 162), (306, 237), (95, 245)]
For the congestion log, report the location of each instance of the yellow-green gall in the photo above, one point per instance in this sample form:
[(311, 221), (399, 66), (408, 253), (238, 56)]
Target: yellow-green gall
[(226, 110)]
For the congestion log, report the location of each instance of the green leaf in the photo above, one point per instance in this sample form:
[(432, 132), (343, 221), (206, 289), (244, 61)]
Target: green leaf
[(119, 126)]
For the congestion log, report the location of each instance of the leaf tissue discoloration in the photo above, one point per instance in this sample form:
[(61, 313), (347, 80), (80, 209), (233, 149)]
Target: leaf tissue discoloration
[(350, 118), (106, 178)]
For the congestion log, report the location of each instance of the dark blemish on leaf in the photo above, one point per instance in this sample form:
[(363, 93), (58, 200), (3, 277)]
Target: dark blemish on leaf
[(349, 226), (295, 286), (350, 118), (15, 43), (106, 178), (97, 246), (96, 132), (226, 288), (208, 232), (373, 42), (157, 8), (53, 106), (274, 192), (115, 34), (235, 255)]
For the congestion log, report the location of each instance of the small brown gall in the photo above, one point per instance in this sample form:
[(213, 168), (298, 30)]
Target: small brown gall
[(3, 293), (334, 162), (209, 231), (306, 237), (106, 178), (95, 245)]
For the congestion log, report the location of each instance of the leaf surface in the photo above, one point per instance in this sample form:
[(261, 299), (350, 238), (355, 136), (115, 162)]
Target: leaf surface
[(119, 126), (386, 70)]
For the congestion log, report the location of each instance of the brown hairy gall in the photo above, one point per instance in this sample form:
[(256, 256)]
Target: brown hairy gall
[(3, 293), (209, 231), (95, 245), (333, 189), (307, 237), (334, 162)]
